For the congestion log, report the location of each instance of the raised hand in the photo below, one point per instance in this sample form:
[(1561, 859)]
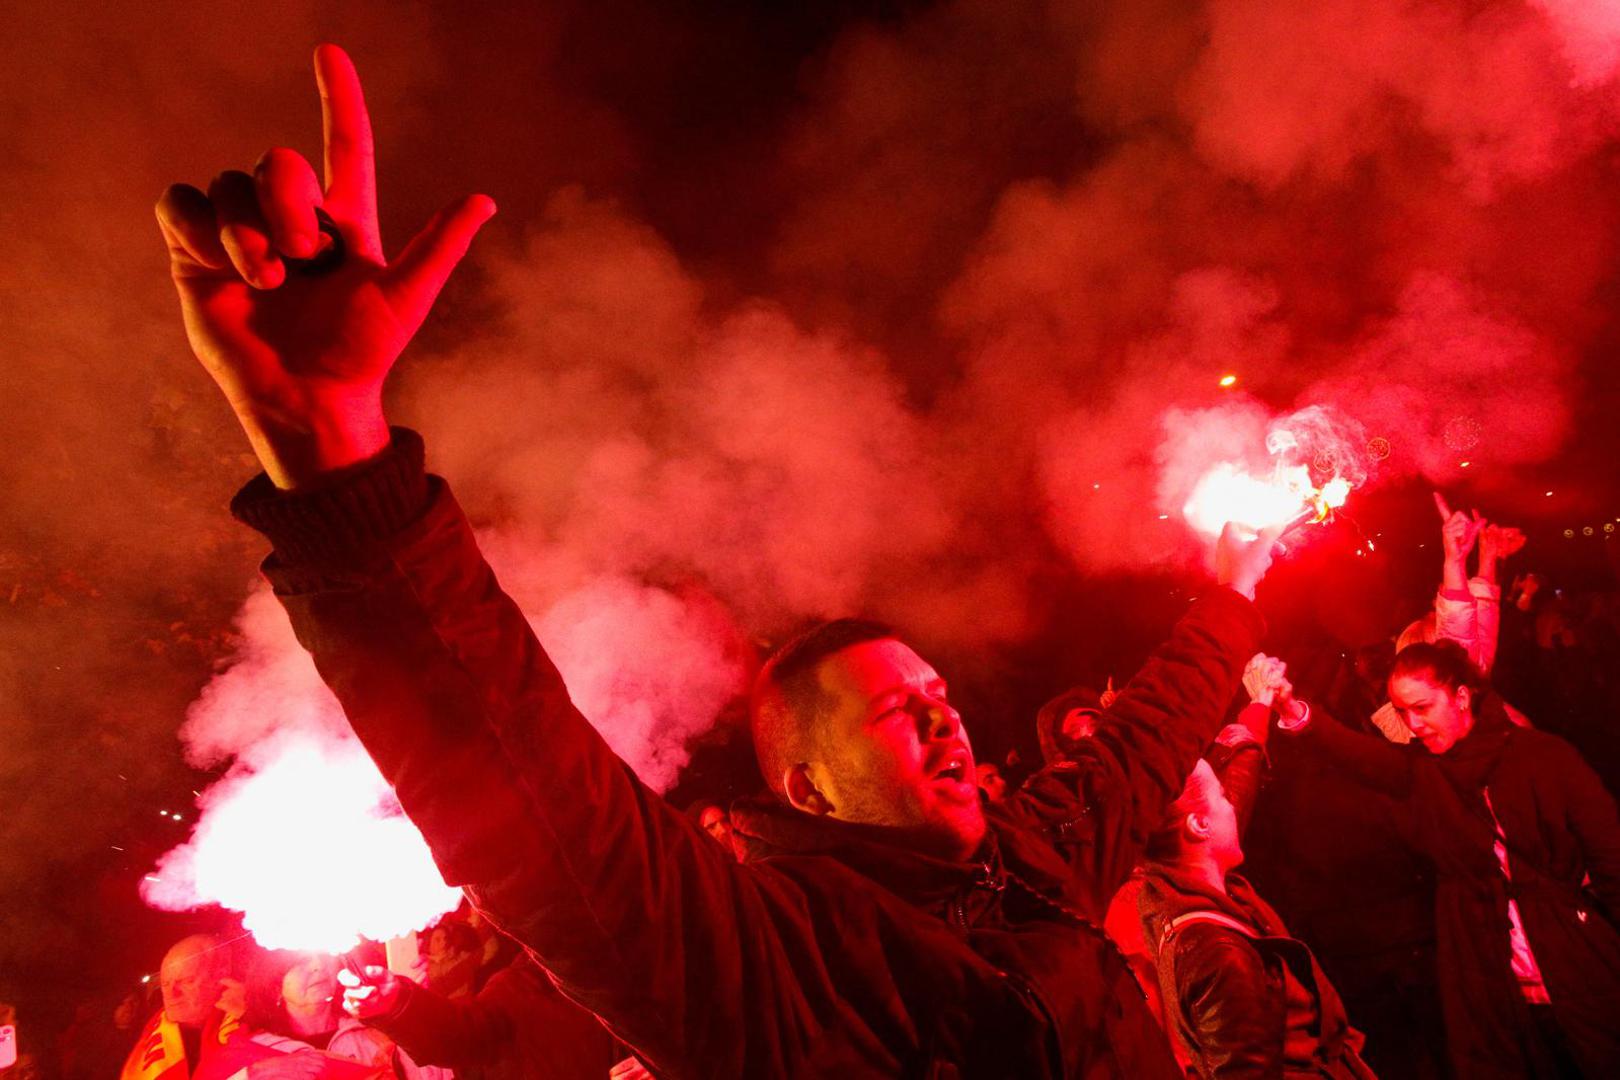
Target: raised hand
[(1457, 529), (302, 359), (1241, 563), (369, 994), (1265, 678)]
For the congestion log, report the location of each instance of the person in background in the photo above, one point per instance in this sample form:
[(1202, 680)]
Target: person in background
[(1467, 610), (1068, 718), (1525, 842), (95, 1044), (1243, 997), (193, 978), (715, 820), (294, 1028), (994, 785)]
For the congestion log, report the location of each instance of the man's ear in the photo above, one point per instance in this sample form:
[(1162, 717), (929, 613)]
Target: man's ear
[(802, 793), (1196, 827), (1464, 697)]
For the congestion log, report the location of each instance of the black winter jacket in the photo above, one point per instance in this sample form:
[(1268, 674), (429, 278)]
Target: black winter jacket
[(839, 954)]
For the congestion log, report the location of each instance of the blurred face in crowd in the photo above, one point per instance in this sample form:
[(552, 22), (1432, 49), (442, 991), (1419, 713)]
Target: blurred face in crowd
[(128, 1011), (310, 986), (991, 782), (893, 750), (1438, 717), (717, 824), (189, 979)]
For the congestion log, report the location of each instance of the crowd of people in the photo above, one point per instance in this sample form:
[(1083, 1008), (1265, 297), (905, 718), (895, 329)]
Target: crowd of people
[(1518, 832), (886, 905)]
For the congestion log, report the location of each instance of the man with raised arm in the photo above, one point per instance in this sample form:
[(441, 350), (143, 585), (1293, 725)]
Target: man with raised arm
[(887, 924)]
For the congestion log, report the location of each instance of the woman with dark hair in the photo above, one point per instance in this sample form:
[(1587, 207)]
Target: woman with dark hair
[(294, 1026), (1526, 845)]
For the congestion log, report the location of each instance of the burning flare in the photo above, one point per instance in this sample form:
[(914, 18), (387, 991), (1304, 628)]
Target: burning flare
[(312, 849), (1287, 497)]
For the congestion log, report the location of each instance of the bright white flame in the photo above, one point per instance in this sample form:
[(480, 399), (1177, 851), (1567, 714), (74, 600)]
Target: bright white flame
[(312, 849), (1228, 493)]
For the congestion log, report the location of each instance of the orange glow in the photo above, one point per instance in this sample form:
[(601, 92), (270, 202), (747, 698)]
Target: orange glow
[(1228, 380)]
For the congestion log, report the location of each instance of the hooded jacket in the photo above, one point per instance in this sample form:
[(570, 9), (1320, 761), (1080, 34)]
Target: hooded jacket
[(836, 950)]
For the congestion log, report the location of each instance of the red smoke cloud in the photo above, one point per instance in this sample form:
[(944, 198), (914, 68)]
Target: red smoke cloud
[(866, 345)]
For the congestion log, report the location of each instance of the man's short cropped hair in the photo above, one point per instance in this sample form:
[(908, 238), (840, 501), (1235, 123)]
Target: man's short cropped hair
[(787, 703), (1164, 843)]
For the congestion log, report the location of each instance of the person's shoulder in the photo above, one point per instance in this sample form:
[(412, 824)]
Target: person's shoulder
[(1534, 744), (1203, 950)]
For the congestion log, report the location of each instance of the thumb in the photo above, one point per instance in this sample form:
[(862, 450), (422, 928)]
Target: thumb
[(413, 280)]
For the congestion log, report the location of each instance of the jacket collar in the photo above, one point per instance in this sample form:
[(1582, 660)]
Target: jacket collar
[(1168, 891), (767, 828)]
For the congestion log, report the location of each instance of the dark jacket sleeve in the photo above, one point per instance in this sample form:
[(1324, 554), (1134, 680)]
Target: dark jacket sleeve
[(1227, 1004), (464, 1034), (1369, 760), (700, 964), (1239, 760), (1124, 777), (484, 1031), (1593, 820)]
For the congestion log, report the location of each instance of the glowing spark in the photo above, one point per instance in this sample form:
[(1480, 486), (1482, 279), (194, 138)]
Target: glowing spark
[(1463, 464), (312, 849), (1228, 380)]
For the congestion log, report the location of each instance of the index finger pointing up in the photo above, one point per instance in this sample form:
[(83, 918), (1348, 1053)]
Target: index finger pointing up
[(350, 163), (1441, 505)]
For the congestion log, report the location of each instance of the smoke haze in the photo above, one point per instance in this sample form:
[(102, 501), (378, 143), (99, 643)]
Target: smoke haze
[(892, 308)]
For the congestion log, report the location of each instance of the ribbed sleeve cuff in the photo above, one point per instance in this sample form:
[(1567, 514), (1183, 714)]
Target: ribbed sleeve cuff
[(342, 520)]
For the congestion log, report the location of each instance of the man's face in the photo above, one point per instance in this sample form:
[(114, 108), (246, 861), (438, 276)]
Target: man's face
[(1225, 844), (717, 824), (894, 752), (1437, 717), (190, 986)]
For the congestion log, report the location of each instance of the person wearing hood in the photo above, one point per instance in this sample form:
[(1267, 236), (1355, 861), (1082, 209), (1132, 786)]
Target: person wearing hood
[(886, 924), (1525, 841)]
